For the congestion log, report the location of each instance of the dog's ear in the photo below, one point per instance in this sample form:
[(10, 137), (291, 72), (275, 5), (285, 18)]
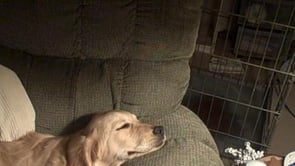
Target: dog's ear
[(76, 151), (90, 143), (96, 134), (83, 148)]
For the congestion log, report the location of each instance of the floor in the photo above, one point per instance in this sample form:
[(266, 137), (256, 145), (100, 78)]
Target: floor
[(282, 141)]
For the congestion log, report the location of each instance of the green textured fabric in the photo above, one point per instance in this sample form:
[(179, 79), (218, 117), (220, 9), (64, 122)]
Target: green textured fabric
[(79, 57), (149, 87), (64, 88), (146, 30), (188, 142)]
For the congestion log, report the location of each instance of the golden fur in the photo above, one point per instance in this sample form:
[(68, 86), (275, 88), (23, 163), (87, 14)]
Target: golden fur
[(109, 139)]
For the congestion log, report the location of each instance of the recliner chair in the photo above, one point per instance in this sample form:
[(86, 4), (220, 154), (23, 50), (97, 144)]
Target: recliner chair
[(80, 57)]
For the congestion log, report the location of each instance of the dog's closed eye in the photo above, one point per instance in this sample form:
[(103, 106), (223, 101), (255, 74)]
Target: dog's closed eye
[(124, 126)]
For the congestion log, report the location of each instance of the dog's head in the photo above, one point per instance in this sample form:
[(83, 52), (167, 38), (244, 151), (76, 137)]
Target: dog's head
[(120, 135)]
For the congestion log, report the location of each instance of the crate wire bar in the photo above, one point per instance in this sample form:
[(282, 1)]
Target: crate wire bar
[(243, 71)]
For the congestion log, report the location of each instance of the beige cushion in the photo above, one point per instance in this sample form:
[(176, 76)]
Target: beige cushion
[(17, 115)]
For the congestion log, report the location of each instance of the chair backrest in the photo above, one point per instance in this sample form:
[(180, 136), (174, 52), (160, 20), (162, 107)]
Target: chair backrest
[(80, 57)]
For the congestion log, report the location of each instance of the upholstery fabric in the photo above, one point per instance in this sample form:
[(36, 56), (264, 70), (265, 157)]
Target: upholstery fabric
[(185, 147), (82, 86), (79, 57), (146, 30), (17, 115)]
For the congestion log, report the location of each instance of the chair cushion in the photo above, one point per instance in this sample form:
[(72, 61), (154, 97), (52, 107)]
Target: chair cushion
[(149, 87), (189, 143), (63, 89), (145, 30)]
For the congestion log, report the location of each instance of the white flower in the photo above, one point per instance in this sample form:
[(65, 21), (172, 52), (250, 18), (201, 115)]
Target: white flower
[(244, 155)]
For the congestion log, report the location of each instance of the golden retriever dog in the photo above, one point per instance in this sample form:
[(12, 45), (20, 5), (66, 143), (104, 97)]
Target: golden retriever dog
[(109, 139)]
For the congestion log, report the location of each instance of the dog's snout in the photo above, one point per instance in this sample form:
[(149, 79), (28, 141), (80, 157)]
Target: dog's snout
[(158, 130)]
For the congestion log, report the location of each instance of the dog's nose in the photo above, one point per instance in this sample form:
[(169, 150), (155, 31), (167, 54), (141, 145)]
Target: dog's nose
[(158, 130)]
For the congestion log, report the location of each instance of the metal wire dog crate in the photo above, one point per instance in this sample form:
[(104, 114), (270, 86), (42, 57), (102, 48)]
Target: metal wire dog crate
[(243, 69)]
